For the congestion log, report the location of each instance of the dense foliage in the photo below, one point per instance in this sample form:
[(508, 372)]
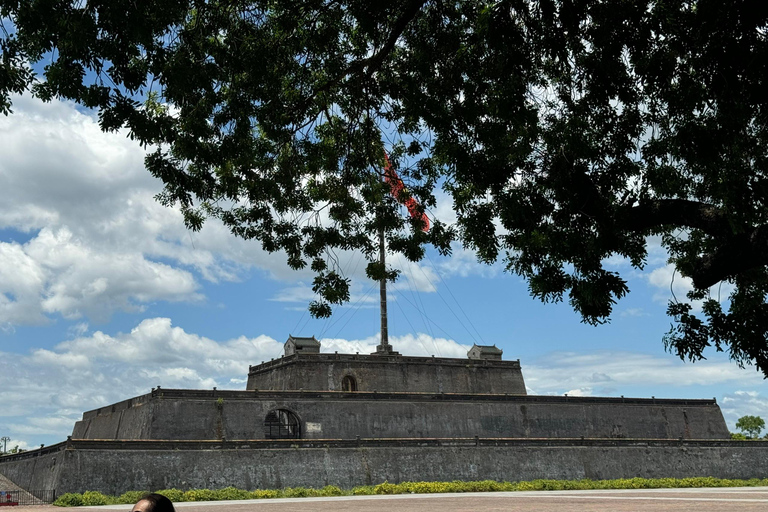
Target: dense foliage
[(564, 131)]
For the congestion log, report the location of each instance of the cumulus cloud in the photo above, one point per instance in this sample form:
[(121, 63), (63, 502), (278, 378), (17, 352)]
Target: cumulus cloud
[(463, 262), (742, 403), (163, 351), (95, 239), (302, 293), (585, 391), (411, 345), (57, 273), (46, 392), (95, 235), (611, 372), (670, 285)]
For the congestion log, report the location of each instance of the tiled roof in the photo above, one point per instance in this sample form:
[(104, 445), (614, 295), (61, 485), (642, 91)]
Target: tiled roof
[(488, 349), (304, 342)]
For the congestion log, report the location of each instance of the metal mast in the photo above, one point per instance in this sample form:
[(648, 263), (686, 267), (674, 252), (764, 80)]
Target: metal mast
[(384, 348)]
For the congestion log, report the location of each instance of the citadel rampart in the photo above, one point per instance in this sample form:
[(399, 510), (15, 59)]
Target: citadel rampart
[(394, 373), (117, 466), (312, 419), (217, 414)]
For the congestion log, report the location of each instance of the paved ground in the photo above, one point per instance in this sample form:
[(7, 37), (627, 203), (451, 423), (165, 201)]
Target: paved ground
[(678, 500)]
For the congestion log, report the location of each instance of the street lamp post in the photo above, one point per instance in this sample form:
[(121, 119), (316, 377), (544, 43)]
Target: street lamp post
[(5, 440)]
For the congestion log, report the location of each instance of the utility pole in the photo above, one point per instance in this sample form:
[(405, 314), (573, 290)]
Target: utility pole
[(5, 440)]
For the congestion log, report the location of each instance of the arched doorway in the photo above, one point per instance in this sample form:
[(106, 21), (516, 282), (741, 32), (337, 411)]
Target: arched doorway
[(348, 383), (282, 424)]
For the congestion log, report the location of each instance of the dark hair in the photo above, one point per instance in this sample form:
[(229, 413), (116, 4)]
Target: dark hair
[(158, 503)]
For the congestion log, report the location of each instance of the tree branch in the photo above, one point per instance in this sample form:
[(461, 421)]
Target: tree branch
[(371, 64), (738, 255), (677, 212)]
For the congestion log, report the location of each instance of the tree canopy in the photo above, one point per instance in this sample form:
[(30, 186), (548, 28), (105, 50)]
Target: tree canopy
[(564, 131), (751, 425)]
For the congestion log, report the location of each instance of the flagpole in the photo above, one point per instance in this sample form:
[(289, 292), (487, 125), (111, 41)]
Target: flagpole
[(384, 346)]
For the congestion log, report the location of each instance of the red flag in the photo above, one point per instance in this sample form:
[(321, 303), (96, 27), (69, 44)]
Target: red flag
[(397, 189)]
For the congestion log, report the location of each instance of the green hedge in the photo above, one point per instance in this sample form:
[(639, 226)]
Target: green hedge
[(92, 498)]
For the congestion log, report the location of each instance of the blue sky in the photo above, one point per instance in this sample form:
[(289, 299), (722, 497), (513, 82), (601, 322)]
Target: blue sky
[(104, 294)]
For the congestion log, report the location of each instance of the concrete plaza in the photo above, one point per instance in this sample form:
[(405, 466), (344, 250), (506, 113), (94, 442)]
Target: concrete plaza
[(678, 500)]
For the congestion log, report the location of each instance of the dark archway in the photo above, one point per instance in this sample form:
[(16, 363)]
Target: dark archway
[(348, 383), (282, 424)]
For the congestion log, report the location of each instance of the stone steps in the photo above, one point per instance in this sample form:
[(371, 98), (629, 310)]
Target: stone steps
[(17, 493)]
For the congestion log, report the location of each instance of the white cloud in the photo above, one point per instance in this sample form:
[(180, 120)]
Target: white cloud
[(410, 345), (56, 273), (463, 263), (22, 282), (414, 277), (17, 443), (585, 391), (99, 242), (444, 211), (657, 254), (162, 350), (77, 330), (72, 362), (612, 371), (670, 285), (742, 403), (46, 392)]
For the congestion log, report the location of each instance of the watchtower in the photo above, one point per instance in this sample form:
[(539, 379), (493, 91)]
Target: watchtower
[(297, 345)]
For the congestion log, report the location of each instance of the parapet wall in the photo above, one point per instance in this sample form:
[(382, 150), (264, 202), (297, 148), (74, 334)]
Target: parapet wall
[(115, 467), (391, 373), (129, 419), (211, 415), (35, 470)]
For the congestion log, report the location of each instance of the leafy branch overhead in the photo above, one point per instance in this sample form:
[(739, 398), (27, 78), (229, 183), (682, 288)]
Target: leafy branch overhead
[(566, 132)]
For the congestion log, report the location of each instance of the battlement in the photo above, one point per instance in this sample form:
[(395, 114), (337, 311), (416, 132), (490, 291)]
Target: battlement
[(375, 358), (185, 414), (391, 372)]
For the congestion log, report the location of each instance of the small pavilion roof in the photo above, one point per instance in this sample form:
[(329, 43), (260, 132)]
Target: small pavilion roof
[(300, 341), (489, 349)]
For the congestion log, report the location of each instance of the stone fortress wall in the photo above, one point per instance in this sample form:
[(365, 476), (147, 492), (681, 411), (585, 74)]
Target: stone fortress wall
[(114, 467), (200, 414), (394, 373), (311, 419)]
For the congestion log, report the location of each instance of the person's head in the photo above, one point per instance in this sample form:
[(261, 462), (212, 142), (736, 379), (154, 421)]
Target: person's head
[(153, 503)]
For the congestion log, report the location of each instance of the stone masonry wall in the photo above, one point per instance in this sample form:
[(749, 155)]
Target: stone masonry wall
[(201, 415), (36, 470), (116, 469), (388, 374)]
